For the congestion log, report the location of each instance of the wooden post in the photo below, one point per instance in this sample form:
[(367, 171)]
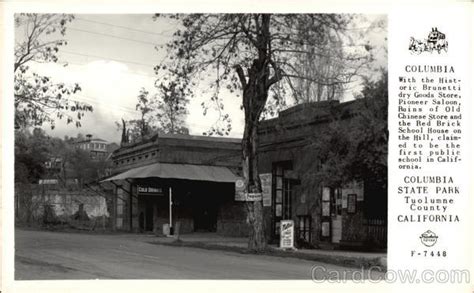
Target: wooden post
[(171, 211)]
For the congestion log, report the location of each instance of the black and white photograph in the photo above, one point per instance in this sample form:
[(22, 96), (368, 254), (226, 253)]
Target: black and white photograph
[(210, 146)]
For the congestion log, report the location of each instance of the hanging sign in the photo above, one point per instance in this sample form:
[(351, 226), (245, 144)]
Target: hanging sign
[(287, 233)]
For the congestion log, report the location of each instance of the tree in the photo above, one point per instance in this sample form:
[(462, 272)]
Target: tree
[(31, 153), (255, 55), (163, 112), (38, 99), (356, 147)]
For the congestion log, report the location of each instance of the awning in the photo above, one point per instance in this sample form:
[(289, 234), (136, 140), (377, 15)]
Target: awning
[(179, 171)]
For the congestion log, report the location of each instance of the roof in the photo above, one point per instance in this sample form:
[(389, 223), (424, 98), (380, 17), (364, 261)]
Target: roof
[(179, 171), (91, 140)]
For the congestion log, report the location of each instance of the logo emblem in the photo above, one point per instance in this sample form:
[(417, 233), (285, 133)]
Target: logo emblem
[(436, 41), (239, 183), (429, 238)]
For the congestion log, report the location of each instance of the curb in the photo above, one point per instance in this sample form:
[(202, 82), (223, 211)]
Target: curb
[(379, 263)]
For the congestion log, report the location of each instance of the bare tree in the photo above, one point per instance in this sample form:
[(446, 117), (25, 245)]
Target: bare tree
[(38, 99), (256, 56)]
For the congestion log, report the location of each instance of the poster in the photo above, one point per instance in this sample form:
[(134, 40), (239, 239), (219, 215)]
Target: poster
[(287, 234)]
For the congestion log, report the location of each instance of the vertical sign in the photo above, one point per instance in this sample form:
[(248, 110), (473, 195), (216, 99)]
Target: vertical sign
[(287, 234), (240, 190), (266, 180)]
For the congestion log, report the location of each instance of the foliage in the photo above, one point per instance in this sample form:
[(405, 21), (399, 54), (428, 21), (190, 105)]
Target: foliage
[(254, 56), (34, 150), (31, 152), (163, 112), (38, 99), (356, 147), (219, 49)]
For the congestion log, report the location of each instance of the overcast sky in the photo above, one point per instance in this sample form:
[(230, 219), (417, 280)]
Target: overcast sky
[(112, 58)]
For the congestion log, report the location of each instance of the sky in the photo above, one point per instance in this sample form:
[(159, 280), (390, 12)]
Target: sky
[(112, 57)]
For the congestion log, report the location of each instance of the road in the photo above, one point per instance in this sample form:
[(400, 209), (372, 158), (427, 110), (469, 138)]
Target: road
[(41, 255)]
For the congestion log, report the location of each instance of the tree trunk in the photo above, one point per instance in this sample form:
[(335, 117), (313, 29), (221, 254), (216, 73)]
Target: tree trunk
[(255, 94), (257, 239)]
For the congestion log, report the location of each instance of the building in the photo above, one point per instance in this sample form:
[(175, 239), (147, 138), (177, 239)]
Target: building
[(96, 147), (352, 215), (197, 175)]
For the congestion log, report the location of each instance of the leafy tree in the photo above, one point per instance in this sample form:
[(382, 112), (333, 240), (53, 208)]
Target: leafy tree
[(38, 99), (254, 55), (31, 153), (163, 112), (356, 147)]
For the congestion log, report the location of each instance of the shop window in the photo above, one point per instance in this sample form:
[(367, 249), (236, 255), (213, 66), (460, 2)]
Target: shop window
[(351, 203), (282, 189), (304, 228), (326, 202), (336, 202)]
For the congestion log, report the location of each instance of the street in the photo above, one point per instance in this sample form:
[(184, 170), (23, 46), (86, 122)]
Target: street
[(44, 255)]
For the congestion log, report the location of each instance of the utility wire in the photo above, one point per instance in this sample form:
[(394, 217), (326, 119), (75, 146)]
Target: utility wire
[(123, 27), (107, 58), (112, 36)]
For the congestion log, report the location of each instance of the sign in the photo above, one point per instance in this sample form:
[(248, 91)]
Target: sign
[(287, 234), (266, 180), (240, 190), (148, 190), (242, 195), (254, 196)]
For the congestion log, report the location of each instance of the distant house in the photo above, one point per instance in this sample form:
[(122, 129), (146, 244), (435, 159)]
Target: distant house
[(96, 147)]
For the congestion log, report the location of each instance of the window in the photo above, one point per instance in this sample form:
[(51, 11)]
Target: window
[(304, 228), (351, 203), (336, 202), (281, 203), (326, 202)]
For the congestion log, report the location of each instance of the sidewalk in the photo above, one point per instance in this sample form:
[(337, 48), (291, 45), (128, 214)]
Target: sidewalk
[(236, 244)]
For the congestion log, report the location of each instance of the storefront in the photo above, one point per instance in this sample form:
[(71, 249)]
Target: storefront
[(186, 183), (353, 214)]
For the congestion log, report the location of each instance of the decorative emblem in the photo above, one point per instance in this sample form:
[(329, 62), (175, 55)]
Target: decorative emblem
[(429, 238), (436, 41)]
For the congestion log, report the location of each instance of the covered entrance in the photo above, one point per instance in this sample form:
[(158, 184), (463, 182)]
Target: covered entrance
[(176, 194)]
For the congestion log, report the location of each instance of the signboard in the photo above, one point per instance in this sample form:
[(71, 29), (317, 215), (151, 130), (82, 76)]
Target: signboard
[(253, 196), (242, 195), (287, 234), (148, 190), (266, 180), (240, 190)]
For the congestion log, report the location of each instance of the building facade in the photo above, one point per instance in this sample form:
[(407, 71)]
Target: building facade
[(96, 147), (182, 170), (353, 214), (178, 180)]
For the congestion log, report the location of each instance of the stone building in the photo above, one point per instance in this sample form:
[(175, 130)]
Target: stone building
[(197, 173), (200, 173), (354, 214)]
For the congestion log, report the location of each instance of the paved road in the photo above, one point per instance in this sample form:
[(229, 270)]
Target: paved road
[(55, 255)]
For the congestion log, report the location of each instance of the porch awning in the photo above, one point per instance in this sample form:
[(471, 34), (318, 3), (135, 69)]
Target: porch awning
[(179, 171)]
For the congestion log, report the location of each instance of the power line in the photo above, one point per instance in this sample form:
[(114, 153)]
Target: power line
[(107, 58), (89, 99), (112, 36), (122, 27)]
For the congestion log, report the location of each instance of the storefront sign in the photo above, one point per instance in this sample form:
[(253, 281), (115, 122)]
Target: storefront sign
[(266, 180), (148, 190), (287, 234)]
